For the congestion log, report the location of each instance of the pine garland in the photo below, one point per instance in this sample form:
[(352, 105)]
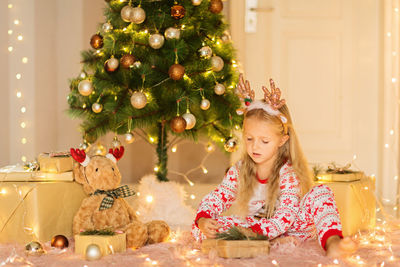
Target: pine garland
[(235, 233), (107, 232)]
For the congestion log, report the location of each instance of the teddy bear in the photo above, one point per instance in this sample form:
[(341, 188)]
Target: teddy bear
[(104, 207)]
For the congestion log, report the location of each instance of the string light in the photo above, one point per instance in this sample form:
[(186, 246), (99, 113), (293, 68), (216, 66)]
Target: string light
[(19, 94), (10, 6), (174, 148), (23, 109), (10, 32), (16, 22), (10, 48), (20, 37), (24, 60), (149, 199), (18, 76)]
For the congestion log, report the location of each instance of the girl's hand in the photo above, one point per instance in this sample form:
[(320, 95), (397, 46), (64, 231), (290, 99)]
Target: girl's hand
[(208, 227)]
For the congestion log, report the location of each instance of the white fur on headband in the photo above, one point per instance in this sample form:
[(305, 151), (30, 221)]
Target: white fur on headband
[(257, 104), (111, 157)]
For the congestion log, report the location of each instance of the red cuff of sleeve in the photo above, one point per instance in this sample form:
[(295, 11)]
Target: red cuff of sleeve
[(328, 234), (201, 214)]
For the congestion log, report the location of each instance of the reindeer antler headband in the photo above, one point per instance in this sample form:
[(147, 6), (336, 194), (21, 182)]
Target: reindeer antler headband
[(272, 100)]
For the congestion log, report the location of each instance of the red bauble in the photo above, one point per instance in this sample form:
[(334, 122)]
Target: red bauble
[(127, 61), (216, 6), (178, 124), (176, 72), (96, 41), (59, 241), (178, 11)]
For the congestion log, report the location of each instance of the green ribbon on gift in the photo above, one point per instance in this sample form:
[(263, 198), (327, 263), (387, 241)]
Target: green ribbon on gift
[(108, 201)]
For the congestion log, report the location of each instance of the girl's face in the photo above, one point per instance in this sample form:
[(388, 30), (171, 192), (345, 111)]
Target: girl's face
[(262, 140)]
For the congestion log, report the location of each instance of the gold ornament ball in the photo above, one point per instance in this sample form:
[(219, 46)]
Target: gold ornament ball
[(116, 143), (59, 241), (138, 15), (205, 52), (85, 87), (226, 37), (219, 89), (111, 64), (178, 124), (127, 13), (217, 63), (34, 248), (172, 33), (176, 72), (97, 107), (100, 150), (177, 11), (156, 41), (231, 145), (93, 252), (127, 61), (129, 138), (96, 41), (190, 120), (205, 104), (137, 64), (196, 2), (84, 146), (138, 100), (216, 6), (107, 27)]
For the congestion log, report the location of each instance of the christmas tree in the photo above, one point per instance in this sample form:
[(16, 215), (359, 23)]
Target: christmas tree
[(159, 68)]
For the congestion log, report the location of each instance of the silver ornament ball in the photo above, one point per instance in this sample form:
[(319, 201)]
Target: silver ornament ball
[(217, 63), (137, 64), (196, 2), (205, 52), (107, 27), (127, 13), (85, 87), (97, 107), (172, 33), (34, 248), (205, 104), (93, 252), (156, 41), (138, 15), (116, 143), (190, 120), (226, 37), (231, 145), (113, 63), (219, 89), (129, 138), (138, 100)]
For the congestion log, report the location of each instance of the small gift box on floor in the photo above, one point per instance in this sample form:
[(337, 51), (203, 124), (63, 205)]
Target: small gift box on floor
[(356, 203), (19, 173), (32, 210), (108, 242), (235, 244), (55, 162)]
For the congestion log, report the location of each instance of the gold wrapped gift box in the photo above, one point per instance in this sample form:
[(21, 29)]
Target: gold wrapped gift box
[(18, 173), (53, 164), (37, 210), (340, 177), (356, 204), (109, 244), (236, 248)]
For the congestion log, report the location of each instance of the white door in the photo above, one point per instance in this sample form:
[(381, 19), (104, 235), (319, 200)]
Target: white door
[(324, 55)]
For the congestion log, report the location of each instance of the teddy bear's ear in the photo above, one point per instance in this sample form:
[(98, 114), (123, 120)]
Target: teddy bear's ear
[(78, 170)]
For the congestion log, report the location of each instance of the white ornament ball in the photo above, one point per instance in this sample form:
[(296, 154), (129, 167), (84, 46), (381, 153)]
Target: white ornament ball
[(138, 15), (85, 87), (219, 89), (113, 63), (97, 107), (116, 143), (156, 41), (172, 33), (138, 100), (217, 63), (127, 13), (137, 64), (190, 120), (107, 27), (129, 138), (93, 252), (205, 104), (196, 2), (205, 52)]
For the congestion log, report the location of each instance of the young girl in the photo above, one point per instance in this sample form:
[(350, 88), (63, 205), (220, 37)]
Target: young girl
[(271, 187)]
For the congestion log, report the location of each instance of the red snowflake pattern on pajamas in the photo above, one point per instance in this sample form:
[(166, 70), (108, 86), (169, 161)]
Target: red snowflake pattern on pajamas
[(314, 215)]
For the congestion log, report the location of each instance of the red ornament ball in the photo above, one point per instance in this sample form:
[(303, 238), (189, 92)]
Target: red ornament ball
[(216, 6), (96, 41), (176, 72), (178, 124), (127, 61), (59, 241), (178, 11)]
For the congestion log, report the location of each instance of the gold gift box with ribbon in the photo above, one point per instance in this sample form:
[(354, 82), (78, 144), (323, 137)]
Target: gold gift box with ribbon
[(37, 210), (108, 244), (55, 162), (356, 203)]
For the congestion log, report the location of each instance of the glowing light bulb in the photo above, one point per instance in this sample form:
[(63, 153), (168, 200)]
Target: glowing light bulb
[(23, 158), (205, 171), (174, 148), (20, 37), (19, 94), (24, 141), (354, 157), (10, 32), (10, 49), (3, 191), (156, 169), (191, 183), (335, 261), (154, 262), (18, 76), (391, 132), (137, 213), (389, 34), (396, 178), (192, 196), (151, 139), (396, 9), (149, 198), (23, 124), (23, 109), (10, 6), (16, 22), (24, 60), (274, 262), (386, 145), (394, 80)]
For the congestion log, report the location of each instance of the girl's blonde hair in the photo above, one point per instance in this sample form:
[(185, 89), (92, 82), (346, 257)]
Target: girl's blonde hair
[(290, 151)]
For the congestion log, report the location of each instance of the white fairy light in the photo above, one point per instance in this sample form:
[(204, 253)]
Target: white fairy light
[(10, 32), (24, 60), (16, 22), (20, 37), (149, 198), (19, 94), (23, 109)]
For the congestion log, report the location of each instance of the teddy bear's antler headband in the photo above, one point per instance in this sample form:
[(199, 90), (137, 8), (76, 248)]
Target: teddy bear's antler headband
[(115, 154), (80, 156)]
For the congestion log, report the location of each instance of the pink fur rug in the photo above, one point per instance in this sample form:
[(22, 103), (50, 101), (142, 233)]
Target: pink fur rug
[(379, 248)]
